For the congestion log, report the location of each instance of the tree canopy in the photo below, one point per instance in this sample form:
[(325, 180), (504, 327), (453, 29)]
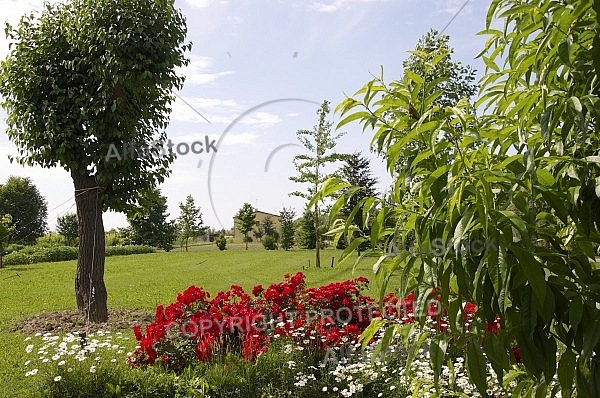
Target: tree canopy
[(20, 198), (81, 77)]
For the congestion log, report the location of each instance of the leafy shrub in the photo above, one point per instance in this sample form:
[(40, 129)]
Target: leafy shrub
[(15, 258), (127, 250), (53, 253), (270, 243), (50, 239), (13, 247), (44, 254), (221, 242), (41, 254)]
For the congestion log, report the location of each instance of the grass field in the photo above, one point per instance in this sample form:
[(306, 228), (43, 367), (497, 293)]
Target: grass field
[(142, 282)]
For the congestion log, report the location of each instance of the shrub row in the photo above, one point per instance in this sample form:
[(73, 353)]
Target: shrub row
[(39, 254)]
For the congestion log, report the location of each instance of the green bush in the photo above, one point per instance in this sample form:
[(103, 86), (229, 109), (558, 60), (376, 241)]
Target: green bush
[(270, 243), (15, 258), (54, 253), (13, 247), (50, 239), (221, 242), (127, 250), (43, 254)]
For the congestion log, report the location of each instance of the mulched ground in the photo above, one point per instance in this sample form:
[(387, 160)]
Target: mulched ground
[(72, 321)]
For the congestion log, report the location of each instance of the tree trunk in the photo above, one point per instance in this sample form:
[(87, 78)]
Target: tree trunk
[(90, 290), (317, 238)]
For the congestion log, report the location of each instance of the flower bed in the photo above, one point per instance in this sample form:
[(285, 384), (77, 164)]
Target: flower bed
[(285, 339)]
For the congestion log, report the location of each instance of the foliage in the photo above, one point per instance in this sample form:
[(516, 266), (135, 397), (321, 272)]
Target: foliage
[(13, 247), (269, 229), (6, 230), (83, 77), (20, 198), (356, 171), (221, 242), (453, 80), (47, 254), (521, 179), (246, 219), (189, 221), (149, 225), (320, 143), (288, 228), (270, 243), (306, 233), (66, 225), (128, 250), (258, 232)]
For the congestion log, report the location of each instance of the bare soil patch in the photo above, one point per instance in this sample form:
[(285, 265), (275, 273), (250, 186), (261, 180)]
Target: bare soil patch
[(73, 321)]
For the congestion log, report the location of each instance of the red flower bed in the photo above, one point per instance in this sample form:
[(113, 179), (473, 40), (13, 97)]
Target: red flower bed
[(196, 328)]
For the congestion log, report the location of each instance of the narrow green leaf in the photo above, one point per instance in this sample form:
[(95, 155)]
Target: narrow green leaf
[(476, 366), (566, 372)]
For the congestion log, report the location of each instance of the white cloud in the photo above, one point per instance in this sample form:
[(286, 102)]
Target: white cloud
[(198, 71), (235, 20), (219, 111), (453, 7), (214, 109), (336, 5), (261, 119)]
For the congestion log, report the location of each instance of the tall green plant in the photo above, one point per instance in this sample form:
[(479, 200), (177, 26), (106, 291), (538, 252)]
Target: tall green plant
[(521, 182), (320, 144)]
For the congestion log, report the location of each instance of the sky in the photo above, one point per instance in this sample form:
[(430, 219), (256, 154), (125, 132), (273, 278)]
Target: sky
[(258, 72)]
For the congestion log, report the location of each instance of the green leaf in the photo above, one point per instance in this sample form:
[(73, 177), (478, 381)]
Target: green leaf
[(369, 332), (545, 177), (576, 104), (476, 366), (413, 76), (533, 271), (437, 353), (564, 50), (566, 372)]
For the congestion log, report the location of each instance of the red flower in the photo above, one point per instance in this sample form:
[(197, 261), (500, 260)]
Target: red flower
[(258, 289), (517, 354)]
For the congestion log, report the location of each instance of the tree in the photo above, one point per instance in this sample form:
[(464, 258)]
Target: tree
[(288, 228), (67, 226), (320, 143), (269, 229), (522, 179), (453, 80), (356, 171), (6, 229), (221, 242), (20, 198), (84, 77), (259, 232), (189, 221), (149, 224), (306, 233), (246, 220)]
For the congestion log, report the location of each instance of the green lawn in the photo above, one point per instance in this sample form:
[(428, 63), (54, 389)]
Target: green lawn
[(142, 282)]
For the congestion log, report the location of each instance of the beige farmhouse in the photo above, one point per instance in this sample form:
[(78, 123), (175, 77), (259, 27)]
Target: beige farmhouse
[(260, 217)]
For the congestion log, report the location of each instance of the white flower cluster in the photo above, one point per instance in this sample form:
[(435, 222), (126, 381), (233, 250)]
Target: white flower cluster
[(387, 375), (60, 351)]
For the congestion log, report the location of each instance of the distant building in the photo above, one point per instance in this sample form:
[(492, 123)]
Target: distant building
[(259, 219)]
